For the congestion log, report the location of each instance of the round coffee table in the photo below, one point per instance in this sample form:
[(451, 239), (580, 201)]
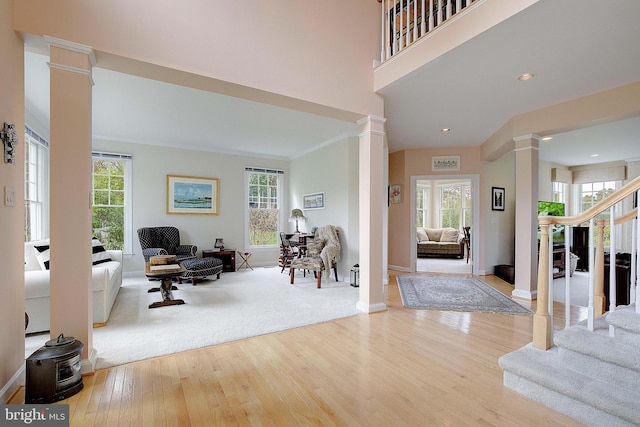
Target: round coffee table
[(166, 284)]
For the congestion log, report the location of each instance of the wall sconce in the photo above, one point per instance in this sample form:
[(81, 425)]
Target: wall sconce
[(10, 139), (219, 244), (355, 276)]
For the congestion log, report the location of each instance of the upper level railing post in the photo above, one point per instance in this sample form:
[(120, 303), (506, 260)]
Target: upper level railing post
[(542, 333)]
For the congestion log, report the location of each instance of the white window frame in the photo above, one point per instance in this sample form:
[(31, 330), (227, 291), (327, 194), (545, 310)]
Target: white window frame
[(281, 212), (39, 217), (128, 160)]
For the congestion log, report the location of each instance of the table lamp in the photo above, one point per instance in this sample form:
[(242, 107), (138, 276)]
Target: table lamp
[(297, 215)]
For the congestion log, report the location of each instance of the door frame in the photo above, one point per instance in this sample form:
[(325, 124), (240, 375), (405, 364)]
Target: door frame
[(475, 215)]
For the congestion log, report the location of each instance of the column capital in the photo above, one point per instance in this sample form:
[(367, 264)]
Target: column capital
[(73, 47)]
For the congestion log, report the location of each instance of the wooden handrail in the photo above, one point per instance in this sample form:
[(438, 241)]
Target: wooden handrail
[(620, 194), (542, 325)]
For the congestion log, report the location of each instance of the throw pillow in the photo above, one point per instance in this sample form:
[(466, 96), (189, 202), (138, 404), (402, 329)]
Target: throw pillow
[(42, 255), (449, 235), (98, 253), (422, 235)]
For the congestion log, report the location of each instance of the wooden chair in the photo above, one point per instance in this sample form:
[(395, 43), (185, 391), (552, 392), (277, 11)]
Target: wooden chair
[(287, 252), (467, 241)]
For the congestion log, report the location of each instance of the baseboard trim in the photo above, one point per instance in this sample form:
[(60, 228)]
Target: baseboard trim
[(399, 268), (371, 308), (527, 295), (88, 366), (10, 388)]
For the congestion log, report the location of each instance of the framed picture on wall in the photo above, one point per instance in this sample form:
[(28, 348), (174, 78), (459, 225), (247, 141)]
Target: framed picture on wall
[(313, 201), (192, 195), (445, 163), (497, 198)]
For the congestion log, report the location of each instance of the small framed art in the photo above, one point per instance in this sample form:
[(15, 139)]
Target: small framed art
[(497, 198), (313, 201)]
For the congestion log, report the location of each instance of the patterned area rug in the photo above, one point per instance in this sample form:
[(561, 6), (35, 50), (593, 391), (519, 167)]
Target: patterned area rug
[(455, 294)]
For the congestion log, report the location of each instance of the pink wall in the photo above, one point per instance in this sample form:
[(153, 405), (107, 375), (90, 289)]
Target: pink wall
[(277, 46), (417, 162), (11, 218)]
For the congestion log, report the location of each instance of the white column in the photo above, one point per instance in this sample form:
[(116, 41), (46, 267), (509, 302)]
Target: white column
[(372, 194), (70, 189), (526, 206)]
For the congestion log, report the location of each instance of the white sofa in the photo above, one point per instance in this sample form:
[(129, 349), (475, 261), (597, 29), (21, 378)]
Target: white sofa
[(106, 279)]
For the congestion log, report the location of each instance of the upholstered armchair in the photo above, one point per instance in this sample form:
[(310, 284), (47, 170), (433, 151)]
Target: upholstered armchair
[(164, 241), (323, 253)]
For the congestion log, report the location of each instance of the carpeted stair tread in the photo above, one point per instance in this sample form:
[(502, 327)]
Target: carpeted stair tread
[(620, 350), (625, 318), (547, 369)]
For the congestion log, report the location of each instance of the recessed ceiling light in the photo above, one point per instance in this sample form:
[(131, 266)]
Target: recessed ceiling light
[(526, 76), (595, 155), (547, 138), (445, 130)]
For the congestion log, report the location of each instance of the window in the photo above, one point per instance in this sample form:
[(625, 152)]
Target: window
[(455, 206), (36, 178), (422, 203), (593, 192), (558, 192), (263, 213), (111, 221)]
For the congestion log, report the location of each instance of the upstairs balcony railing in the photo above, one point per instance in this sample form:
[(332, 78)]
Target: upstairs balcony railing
[(406, 21), (614, 203)]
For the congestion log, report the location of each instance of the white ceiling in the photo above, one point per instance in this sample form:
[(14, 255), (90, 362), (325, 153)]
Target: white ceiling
[(574, 48)]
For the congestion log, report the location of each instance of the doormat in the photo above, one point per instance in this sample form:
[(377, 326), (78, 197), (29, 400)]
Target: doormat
[(454, 294)]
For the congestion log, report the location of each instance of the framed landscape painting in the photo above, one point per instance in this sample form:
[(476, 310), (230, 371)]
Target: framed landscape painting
[(192, 195), (313, 201)]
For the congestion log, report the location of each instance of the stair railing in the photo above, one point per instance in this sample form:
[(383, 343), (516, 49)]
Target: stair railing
[(543, 318), (406, 21)]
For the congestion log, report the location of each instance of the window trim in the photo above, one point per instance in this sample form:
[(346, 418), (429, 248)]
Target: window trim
[(128, 178), (281, 211), (42, 181)]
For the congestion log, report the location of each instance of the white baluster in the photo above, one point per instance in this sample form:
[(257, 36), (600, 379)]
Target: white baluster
[(382, 33), (415, 20), (568, 231), (550, 294), (458, 5), (431, 15), (592, 284), (449, 9), (632, 281), (439, 12), (423, 23), (613, 286)]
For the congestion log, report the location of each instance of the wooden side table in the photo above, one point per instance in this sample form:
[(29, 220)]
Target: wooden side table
[(228, 258)]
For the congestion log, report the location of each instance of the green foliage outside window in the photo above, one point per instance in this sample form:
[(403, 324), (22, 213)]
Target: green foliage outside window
[(108, 202), (263, 209)]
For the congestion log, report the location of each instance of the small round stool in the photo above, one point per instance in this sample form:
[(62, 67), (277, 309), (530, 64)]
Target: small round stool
[(200, 268)]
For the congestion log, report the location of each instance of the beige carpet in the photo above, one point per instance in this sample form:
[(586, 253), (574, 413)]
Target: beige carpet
[(239, 305)]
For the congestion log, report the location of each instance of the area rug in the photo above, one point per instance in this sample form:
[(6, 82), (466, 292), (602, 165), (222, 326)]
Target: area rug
[(239, 305), (454, 294)]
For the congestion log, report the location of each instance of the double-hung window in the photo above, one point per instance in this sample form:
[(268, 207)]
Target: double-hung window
[(36, 186), (593, 192), (111, 221), (263, 206), (455, 206)]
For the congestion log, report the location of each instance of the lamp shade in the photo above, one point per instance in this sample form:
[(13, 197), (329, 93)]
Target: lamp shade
[(296, 215)]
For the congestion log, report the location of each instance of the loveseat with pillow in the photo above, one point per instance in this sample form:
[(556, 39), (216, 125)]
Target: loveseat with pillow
[(444, 242), (106, 279)]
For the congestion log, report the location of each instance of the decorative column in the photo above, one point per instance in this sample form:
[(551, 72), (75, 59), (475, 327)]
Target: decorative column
[(70, 190), (372, 195), (526, 204)]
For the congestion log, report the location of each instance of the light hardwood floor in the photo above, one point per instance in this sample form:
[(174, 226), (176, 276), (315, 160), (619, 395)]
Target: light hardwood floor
[(401, 367)]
